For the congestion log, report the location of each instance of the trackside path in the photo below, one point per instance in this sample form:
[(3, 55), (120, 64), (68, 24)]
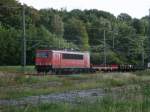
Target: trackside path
[(55, 97), (71, 97)]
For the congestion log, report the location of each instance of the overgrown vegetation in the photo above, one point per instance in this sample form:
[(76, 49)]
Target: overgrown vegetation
[(80, 30), (17, 69), (145, 73), (129, 101), (17, 86), (83, 30)]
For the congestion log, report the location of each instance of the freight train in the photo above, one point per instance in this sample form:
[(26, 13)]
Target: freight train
[(61, 61)]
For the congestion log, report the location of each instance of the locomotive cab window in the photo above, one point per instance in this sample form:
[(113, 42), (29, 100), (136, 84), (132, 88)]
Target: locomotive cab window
[(42, 54), (73, 56)]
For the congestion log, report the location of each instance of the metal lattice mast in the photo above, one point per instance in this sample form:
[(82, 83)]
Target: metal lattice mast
[(23, 40), (104, 48), (149, 37)]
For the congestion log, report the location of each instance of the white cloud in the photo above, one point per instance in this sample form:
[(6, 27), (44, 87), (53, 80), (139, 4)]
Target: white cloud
[(135, 8)]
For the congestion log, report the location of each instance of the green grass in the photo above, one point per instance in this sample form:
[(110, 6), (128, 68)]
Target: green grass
[(66, 83), (8, 79), (23, 83), (136, 100), (145, 72), (16, 69), (131, 101)]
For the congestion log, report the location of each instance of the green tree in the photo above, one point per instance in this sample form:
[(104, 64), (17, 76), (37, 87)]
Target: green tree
[(139, 26), (57, 25), (9, 46), (125, 18), (75, 30)]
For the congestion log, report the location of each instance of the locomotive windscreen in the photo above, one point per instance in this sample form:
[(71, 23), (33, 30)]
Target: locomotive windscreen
[(42, 54)]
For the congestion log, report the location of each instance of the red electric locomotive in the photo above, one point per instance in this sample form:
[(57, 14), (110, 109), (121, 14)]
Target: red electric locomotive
[(62, 61)]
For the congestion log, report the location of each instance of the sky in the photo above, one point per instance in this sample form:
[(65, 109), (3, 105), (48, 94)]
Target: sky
[(135, 8)]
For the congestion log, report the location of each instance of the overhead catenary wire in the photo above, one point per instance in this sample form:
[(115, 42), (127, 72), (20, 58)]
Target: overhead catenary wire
[(95, 28), (10, 7)]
